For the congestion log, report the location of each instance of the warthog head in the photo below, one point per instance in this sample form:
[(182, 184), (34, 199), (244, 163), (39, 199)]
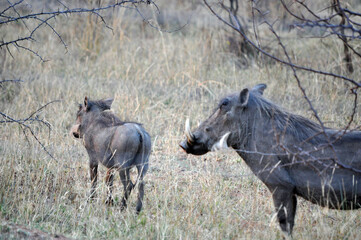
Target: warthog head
[(225, 127), (87, 113)]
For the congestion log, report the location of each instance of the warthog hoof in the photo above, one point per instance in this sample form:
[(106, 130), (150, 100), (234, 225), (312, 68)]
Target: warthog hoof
[(109, 201), (138, 209), (123, 205)]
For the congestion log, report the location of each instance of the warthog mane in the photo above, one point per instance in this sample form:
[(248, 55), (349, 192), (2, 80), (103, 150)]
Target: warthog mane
[(298, 126)]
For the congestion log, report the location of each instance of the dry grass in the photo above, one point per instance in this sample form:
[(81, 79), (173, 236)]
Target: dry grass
[(158, 79)]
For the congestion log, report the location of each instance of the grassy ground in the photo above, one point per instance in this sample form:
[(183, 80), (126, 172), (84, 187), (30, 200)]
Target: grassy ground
[(158, 79)]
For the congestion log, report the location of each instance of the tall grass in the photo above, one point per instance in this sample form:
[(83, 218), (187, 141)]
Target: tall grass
[(158, 79)]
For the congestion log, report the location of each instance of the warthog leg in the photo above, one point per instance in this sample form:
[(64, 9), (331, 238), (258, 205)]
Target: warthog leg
[(93, 178), (285, 202), (140, 195), (109, 182), (142, 170), (127, 184)]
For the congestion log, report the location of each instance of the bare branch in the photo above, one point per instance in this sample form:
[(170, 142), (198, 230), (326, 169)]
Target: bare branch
[(44, 19), (25, 124), (266, 53)]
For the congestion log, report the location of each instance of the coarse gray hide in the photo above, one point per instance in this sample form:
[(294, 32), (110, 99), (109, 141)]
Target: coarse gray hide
[(118, 145)]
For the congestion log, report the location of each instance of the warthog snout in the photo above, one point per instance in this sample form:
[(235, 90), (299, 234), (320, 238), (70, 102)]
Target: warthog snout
[(184, 146), (194, 142), (75, 131), (195, 149)]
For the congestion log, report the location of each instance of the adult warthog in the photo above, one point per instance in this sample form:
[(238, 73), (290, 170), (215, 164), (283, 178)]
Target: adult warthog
[(116, 144), (291, 155)]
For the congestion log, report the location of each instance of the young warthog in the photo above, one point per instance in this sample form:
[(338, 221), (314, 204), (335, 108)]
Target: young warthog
[(290, 154), (116, 144)]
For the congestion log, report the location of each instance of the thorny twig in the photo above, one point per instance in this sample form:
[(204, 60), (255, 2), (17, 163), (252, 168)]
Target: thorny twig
[(25, 124)]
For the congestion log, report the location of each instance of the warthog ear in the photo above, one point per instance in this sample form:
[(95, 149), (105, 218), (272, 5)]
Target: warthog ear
[(260, 88), (108, 103), (243, 97), (87, 103)]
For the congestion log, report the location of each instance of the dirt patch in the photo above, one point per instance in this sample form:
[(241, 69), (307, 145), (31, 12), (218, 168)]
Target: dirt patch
[(15, 231)]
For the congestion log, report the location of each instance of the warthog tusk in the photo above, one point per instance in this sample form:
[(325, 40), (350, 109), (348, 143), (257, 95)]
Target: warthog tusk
[(223, 141), (221, 144), (189, 135)]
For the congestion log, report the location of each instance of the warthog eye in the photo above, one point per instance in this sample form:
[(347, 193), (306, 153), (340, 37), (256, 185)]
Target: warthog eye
[(225, 102)]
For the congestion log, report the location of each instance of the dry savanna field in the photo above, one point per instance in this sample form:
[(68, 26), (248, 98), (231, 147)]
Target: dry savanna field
[(159, 79)]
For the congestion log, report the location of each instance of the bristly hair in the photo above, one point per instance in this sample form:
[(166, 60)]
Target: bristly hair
[(109, 119), (100, 104), (296, 125)]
